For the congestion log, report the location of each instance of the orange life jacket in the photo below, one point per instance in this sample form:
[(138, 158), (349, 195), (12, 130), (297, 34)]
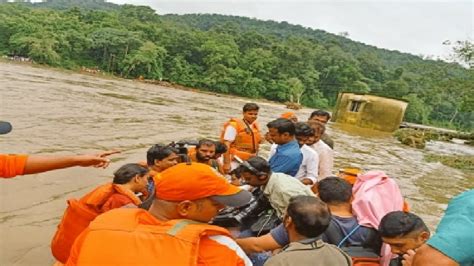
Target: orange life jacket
[(247, 140), (80, 213), (135, 237)]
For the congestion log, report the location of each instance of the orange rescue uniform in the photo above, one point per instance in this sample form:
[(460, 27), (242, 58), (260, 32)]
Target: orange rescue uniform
[(135, 237), (12, 165), (247, 140), (80, 213)]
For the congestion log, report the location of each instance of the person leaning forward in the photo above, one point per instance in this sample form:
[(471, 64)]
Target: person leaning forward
[(241, 136), (175, 231)]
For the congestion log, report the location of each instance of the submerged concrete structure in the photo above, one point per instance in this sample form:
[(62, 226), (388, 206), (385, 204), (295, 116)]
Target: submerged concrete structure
[(369, 111)]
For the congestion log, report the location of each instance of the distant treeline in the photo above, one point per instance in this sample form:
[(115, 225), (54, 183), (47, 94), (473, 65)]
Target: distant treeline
[(235, 55)]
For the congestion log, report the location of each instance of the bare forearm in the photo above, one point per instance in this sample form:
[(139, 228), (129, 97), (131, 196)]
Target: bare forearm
[(37, 164), (258, 244)]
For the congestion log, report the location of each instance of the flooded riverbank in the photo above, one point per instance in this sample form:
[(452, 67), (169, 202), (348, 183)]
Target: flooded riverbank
[(60, 112)]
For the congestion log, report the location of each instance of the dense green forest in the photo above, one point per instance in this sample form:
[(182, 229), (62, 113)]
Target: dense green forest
[(235, 55)]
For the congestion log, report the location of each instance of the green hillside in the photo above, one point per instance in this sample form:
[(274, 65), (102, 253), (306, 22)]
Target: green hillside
[(234, 55)]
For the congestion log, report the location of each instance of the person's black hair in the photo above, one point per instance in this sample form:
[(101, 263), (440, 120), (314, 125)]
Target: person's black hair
[(257, 163), (283, 125), (303, 129), (400, 224), (220, 147), (205, 142), (127, 172), (317, 126), (250, 107), (309, 214), (320, 113), (333, 190), (236, 172), (159, 152)]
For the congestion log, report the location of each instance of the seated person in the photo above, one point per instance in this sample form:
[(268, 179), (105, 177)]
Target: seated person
[(204, 153), (221, 148), (337, 194), (305, 220), (277, 187), (403, 231), (161, 157), (129, 180)]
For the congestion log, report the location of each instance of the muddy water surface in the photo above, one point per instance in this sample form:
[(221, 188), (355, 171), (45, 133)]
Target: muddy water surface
[(58, 112)]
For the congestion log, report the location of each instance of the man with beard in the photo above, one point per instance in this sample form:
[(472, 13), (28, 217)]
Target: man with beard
[(204, 153)]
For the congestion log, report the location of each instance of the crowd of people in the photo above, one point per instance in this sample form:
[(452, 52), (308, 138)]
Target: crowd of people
[(219, 202)]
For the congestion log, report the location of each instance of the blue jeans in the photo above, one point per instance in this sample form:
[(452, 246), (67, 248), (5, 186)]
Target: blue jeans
[(258, 259)]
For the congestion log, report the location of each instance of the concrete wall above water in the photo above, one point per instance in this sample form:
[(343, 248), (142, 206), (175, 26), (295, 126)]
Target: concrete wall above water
[(369, 111)]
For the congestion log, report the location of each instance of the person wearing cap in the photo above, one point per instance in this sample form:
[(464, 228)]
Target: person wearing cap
[(12, 165), (290, 116), (175, 231)]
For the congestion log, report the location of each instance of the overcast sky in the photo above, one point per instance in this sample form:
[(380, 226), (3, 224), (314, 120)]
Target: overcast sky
[(415, 26)]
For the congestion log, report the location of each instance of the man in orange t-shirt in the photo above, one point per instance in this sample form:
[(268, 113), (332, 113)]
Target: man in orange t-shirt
[(175, 231), (12, 165)]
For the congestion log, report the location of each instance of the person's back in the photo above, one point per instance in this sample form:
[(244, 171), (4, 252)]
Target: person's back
[(314, 253), (175, 231), (145, 240), (305, 220), (360, 242), (128, 180)]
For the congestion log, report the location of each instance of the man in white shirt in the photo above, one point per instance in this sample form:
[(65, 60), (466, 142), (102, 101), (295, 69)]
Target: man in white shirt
[(308, 172), (326, 154)]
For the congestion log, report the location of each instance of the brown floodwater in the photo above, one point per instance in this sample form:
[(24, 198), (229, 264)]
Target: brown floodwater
[(60, 112)]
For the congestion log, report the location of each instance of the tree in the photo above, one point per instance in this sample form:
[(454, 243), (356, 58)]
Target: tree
[(147, 61), (417, 111), (295, 89)]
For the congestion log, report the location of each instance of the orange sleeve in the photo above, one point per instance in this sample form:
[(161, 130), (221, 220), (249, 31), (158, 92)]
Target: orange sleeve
[(220, 251), (12, 164)]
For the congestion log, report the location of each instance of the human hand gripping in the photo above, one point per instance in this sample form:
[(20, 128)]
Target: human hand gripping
[(408, 257)]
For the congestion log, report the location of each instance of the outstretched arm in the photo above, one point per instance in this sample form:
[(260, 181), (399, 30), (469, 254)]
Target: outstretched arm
[(38, 163)]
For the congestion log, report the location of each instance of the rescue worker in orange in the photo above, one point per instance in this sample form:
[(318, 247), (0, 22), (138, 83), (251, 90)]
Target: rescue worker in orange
[(175, 231), (290, 116), (129, 180), (12, 165), (204, 153), (241, 136)]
